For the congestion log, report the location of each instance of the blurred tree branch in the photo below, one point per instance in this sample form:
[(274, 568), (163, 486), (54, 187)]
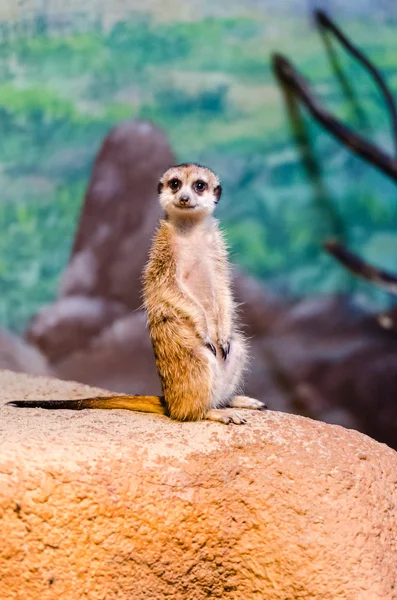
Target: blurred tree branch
[(298, 86), (326, 24), (289, 76), (359, 267)]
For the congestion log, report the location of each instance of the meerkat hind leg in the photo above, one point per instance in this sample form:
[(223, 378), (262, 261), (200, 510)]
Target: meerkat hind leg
[(247, 402), (225, 415)]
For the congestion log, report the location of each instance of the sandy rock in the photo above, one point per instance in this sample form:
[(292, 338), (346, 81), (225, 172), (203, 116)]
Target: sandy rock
[(122, 505)]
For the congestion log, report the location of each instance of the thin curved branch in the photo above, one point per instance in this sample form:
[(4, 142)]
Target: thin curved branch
[(299, 87), (311, 163), (359, 267), (325, 23), (290, 77)]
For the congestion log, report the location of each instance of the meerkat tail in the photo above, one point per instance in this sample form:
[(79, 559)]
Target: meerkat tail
[(150, 404), (361, 268)]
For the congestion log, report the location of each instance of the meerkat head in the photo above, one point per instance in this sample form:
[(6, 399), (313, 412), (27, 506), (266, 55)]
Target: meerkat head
[(189, 190)]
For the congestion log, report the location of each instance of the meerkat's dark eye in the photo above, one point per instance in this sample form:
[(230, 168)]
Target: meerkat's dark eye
[(200, 185), (174, 184)]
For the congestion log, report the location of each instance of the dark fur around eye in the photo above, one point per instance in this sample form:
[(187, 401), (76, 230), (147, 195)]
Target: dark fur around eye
[(200, 186), (174, 184)]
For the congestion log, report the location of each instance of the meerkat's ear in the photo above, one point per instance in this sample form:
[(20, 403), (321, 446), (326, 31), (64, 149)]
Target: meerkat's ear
[(218, 192), (160, 187)]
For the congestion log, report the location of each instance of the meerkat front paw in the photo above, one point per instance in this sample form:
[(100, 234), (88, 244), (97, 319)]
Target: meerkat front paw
[(208, 344), (225, 415), (224, 345)]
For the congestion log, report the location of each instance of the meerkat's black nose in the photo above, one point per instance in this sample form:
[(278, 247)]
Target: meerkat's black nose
[(184, 200)]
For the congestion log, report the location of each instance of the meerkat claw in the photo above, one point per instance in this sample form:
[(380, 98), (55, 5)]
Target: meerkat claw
[(226, 416), (211, 347), (225, 350), (237, 419)]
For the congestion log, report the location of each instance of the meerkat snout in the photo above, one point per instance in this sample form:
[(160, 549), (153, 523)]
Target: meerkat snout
[(189, 191), (184, 200)]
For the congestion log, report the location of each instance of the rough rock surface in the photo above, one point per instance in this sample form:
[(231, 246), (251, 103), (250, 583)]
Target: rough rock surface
[(119, 505)]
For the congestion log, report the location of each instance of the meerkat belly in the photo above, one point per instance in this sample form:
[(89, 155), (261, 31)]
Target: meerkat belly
[(196, 273), (198, 280)]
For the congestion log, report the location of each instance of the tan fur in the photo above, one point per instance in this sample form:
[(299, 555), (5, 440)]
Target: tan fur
[(189, 303), (190, 309)]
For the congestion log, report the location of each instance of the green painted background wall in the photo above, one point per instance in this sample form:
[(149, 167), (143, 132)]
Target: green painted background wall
[(202, 72)]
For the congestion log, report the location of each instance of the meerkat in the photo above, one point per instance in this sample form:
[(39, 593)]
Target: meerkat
[(200, 353)]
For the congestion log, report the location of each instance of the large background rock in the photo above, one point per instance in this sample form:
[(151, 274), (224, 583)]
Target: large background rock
[(113, 237), (16, 355), (119, 211), (112, 504), (120, 358)]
